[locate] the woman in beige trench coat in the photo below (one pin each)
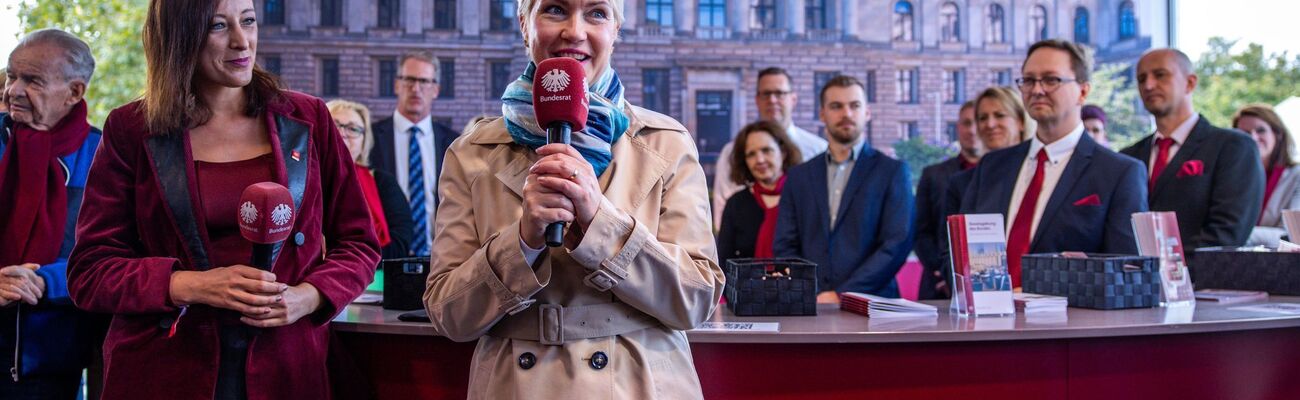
(603, 316)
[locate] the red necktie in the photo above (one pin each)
(1162, 160)
(1018, 243)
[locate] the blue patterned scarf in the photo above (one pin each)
(605, 119)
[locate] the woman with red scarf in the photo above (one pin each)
(763, 154)
(158, 242)
(1277, 150)
(389, 210)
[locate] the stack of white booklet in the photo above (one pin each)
(1036, 303)
(880, 307)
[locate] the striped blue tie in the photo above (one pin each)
(415, 186)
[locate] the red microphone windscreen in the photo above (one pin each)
(560, 93)
(266, 213)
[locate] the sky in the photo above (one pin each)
(1268, 22)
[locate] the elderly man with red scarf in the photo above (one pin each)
(46, 146)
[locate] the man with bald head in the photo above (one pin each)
(46, 146)
(1210, 177)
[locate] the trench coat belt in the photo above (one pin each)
(554, 324)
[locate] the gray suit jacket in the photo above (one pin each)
(1285, 197)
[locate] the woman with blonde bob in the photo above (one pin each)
(1001, 118)
(1277, 150)
(389, 212)
(603, 315)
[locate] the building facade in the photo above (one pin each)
(697, 60)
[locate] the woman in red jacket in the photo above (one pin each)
(159, 246)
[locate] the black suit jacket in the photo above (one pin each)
(741, 220)
(1220, 206)
(397, 212)
(382, 155)
(931, 220)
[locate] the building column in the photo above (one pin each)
(298, 15)
(632, 14)
(738, 16)
(470, 17)
(848, 18)
(794, 12)
(412, 16)
(684, 13)
(358, 14)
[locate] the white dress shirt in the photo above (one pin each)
(428, 156)
(1179, 135)
(809, 145)
(1058, 157)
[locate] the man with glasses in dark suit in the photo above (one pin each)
(410, 146)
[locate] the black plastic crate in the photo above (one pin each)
(1100, 281)
(1227, 268)
(753, 290)
(404, 282)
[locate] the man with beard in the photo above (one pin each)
(1209, 176)
(849, 209)
(775, 99)
(930, 193)
(1060, 190)
(410, 145)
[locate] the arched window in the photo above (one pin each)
(1081, 33)
(1038, 22)
(995, 31)
(950, 23)
(903, 21)
(1127, 21)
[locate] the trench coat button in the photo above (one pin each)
(299, 238)
(599, 360)
(527, 360)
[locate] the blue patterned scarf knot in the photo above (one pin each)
(606, 121)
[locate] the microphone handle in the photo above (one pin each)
(262, 256)
(558, 132)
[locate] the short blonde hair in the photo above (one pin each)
(526, 6)
(1009, 98)
(368, 141)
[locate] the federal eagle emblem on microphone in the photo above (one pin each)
(555, 80)
(281, 214)
(248, 212)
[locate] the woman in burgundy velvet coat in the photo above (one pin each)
(158, 245)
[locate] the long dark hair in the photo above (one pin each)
(174, 33)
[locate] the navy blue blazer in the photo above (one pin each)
(383, 155)
(1069, 223)
(873, 230)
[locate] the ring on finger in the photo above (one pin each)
(573, 175)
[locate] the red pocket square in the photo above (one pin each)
(1191, 168)
(1091, 200)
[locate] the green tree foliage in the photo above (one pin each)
(1113, 90)
(918, 154)
(1230, 80)
(112, 29)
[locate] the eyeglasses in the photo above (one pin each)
(350, 131)
(409, 81)
(773, 93)
(1050, 83)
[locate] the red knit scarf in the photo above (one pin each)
(767, 231)
(33, 189)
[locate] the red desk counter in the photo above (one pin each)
(1211, 352)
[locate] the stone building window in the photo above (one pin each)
(954, 86)
(1081, 32)
(713, 13)
(389, 13)
(501, 78)
(1127, 21)
(903, 21)
(387, 78)
(815, 15)
(819, 81)
(950, 23)
(996, 29)
(764, 15)
(329, 77)
(273, 12)
(444, 14)
(331, 12)
(270, 63)
(659, 12)
(1038, 22)
(503, 16)
(654, 89)
(906, 90)
(446, 78)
